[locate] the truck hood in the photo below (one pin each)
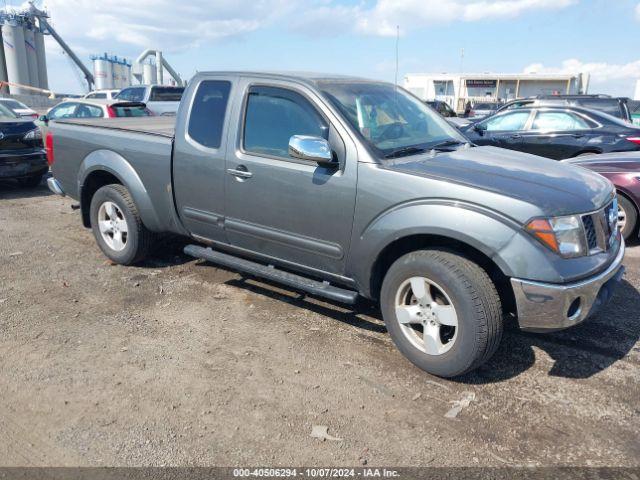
(556, 188)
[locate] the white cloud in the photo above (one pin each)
(163, 24)
(383, 17)
(638, 12)
(599, 70)
(611, 78)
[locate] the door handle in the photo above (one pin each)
(240, 172)
(516, 135)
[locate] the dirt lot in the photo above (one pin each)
(181, 363)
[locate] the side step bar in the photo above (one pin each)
(314, 287)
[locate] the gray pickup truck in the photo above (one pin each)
(343, 187)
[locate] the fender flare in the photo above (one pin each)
(119, 167)
(487, 231)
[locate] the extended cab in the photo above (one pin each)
(344, 187)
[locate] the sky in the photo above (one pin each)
(356, 37)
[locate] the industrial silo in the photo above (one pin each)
(3, 66)
(127, 75)
(103, 73)
(149, 74)
(15, 56)
(41, 56)
(32, 59)
(117, 74)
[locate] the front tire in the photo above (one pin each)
(442, 311)
(627, 217)
(117, 226)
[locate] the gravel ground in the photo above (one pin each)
(181, 363)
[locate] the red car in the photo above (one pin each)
(623, 169)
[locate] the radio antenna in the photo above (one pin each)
(397, 51)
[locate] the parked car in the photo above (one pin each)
(481, 110)
(442, 108)
(343, 188)
(22, 156)
(102, 94)
(448, 113)
(555, 132)
(95, 108)
(19, 108)
(634, 111)
(160, 99)
(623, 169)
(616, 107)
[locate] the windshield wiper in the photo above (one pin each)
(446, 143)
(406, 151)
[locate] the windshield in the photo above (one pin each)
(6, 113)
(389, 119)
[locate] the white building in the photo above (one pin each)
(456, 89)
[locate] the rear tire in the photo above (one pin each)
(627, 216)
(457, 291)
(30, 182)
(117, 226)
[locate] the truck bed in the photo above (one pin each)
(161, 125)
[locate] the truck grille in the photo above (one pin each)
(600, 228)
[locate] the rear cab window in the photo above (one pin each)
(207, 117)
(165, 94)
(133, 94)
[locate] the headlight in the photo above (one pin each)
(35, 134)
(563, 235)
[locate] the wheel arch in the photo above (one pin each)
(588, 151)
(104, 167)
(421, 241)
(628, 196)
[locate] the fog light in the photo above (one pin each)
(574, 308)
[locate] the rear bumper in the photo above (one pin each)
(23, 165)
(545, 307)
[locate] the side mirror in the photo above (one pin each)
(313, 149)
(480, 128)
(44, 119)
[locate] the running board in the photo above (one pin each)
(314, 287)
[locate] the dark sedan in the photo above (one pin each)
(22, 156)
(555, 132)
(623, 169)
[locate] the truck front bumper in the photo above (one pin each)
(55, 186)
(547, 307)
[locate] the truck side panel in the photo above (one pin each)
(141, 162)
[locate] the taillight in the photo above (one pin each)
(48, 145)
(111, 112)
(635, 140)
